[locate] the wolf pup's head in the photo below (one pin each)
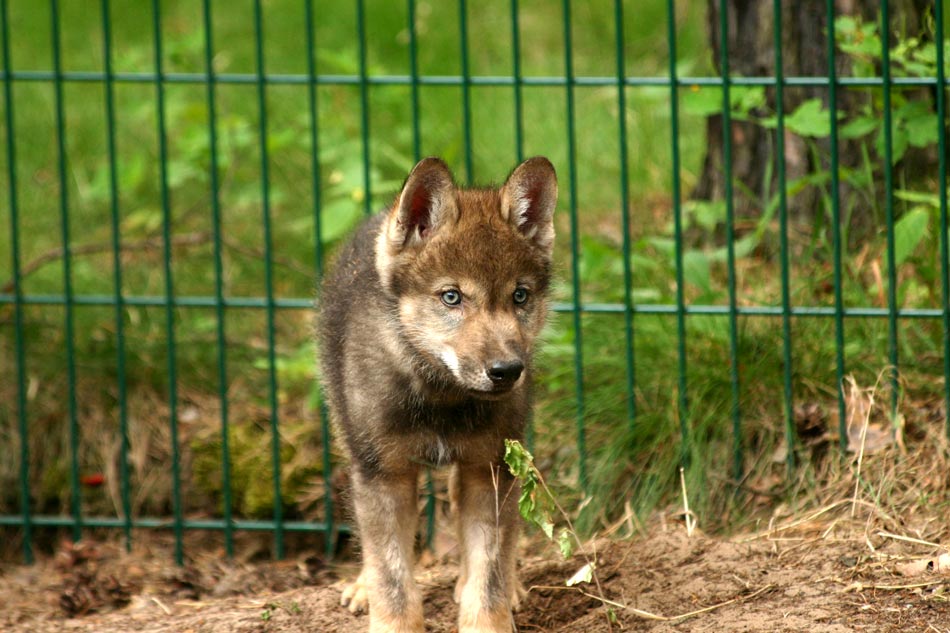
(469, 271)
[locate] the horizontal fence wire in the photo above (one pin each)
(159, 80)
(301, 303)
(171, 524)
(460, 80)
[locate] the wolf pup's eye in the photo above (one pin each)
(520, 296)
(451, 297)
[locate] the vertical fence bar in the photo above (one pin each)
(69, 325)
(783, 235)
(330, 541)
(889, 206)
(312, 113)
(942, 183)
(625, 213)
(466, 91)
(220, 335)
(316, 188)
(417, 155)
(516, 81)
(519, 128)
(414, 82)
(730, 239)
(329, 521)
(124, 485)
(364, 104)
(268, 278)
(836, 245)
(682, 408)
(169, 281)
(23, 428)
(575, 248)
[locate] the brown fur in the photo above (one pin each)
(411, 378)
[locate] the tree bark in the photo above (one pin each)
(804, 54)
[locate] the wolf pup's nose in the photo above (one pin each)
(505, 371)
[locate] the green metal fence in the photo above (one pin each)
(16, 303)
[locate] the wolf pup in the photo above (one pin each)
(427, 326)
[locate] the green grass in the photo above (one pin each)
(629, 460)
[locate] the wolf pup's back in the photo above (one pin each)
(427, 325)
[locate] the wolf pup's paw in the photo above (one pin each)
(354, 597)
(457, 594)
(518, 593)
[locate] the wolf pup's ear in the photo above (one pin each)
(528, 199)
(427, 201)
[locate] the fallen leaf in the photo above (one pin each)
(584, 574)
(940, 564)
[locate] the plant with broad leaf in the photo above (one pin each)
(536, 505)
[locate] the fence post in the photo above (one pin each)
(682, 401)
(69, 322)
(942, 181)
(221, 339)
(730, 240)
(364, 105)
(268, 278)
(26, 519)
(575, 249)
(629, 355)
(889, 208)
(118, 297)
(836, 245)
(169, 281)
(466, 92)
(316, 187)
(783, 236)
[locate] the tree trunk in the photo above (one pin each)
(804, 54)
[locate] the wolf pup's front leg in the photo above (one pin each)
(386, 513)
(484, 499)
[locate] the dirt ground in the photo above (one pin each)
(663, 581)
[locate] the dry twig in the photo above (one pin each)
(149, 243)
(653, 616)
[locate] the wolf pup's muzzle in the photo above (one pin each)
(505, 373)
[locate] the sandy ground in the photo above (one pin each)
(661, 582)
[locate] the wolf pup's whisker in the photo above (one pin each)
(427, 325)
